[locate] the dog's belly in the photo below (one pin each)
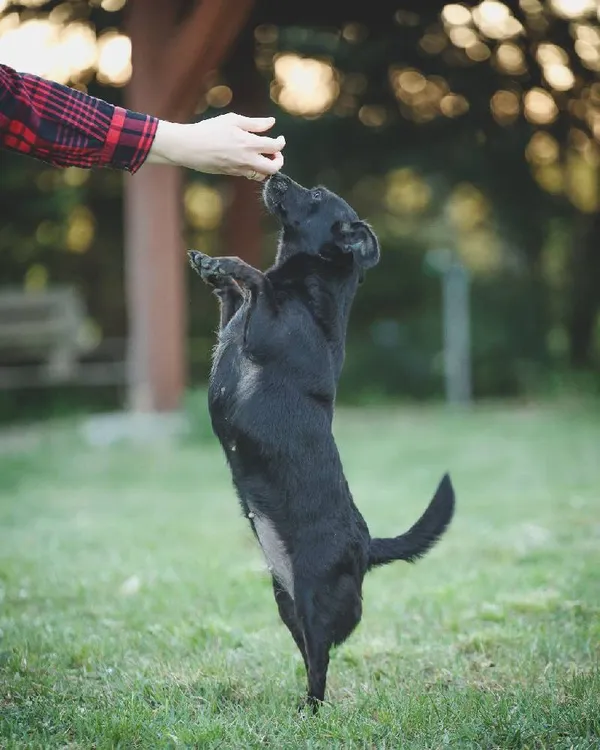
(276, 555)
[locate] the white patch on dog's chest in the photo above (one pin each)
(274, 551)
(248, 381)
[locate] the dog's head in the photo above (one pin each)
(318, 222)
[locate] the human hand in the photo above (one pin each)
(227, 144)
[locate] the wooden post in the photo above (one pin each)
(154, 251)
(456, 324)
(155, 285)
(457, 334)
(199, 47)
(170, 62)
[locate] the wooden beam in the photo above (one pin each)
(155, 266)
(154, 262)
(167, 82)
(149, 23)
(197, 48)
(321, 14)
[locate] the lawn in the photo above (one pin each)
(135, 611)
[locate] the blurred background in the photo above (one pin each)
(467, 134)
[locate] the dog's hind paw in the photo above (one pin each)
(309, 706)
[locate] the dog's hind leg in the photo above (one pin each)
(287, 612)
(230, 298)
(317, 643)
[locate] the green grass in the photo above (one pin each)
(135, 611)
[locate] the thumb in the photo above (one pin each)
(255, 124)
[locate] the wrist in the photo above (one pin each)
(164, 146)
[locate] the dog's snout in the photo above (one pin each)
(279, 183)
(275, 193)
(194, 257)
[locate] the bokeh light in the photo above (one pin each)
(456, 15)
(540, 107)
(478, 52)
(303, 85)
(454, 105)
(573, 8)
(495, 20)
(469, 213)
(587, 45)
(510, 59)
(505, 107)
(463, 37)
(406, 192)
(203, 206)
(560, 77)
(219, 96)
(372, 116)
(542, 149)
(64, 51)
(114, 58)
(81, 226)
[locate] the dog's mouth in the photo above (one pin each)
(274, 192)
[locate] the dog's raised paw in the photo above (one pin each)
(205, 266)
(195, 259)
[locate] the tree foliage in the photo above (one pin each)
(471, 126)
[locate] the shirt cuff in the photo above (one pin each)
(129, 139)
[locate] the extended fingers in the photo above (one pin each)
(266, 145)
(254, 124)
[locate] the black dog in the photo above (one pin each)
(271, 398)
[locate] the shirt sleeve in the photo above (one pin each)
(65, 127)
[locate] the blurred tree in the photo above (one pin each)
(66, 225)
(518, 80)
(476, 126)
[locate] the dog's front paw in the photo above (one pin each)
(206, 267)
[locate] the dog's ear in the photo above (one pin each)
(358, 238)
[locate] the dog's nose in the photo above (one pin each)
(279, 182)
(194, 257)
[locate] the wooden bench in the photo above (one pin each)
(43, 338)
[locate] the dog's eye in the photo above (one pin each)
(316, 195)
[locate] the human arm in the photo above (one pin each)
(65, 127)
(228, 144)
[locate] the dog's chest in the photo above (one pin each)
(234, 382)
(276, 555)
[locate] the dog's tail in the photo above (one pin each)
(418, 540)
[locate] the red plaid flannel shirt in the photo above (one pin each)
(65, 127)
